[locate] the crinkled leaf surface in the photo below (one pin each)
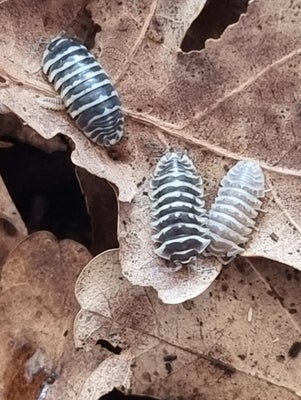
(113, 372)
(233, 342)
(237, 98)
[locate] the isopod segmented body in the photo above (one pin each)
(178, 210)
(85, 89)
(231, 217)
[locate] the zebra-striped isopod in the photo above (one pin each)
(231, 217)
(177, 210)
(85, 89)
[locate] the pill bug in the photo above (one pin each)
(177, 210)
(231, 217)
(85, 89)
(52, 103)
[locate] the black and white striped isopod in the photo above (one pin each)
(178, 210)
(231, 217)
(85, 89)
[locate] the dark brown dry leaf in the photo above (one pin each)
(238, 98)
(37, 311)
(231, 342)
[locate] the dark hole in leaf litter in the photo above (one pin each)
(46, 192)
(118, 395)
(107, 345)
(212, 21)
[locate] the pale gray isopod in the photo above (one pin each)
(231, 217)
(178, 210)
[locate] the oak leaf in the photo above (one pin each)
(234, 341)
(238, 98)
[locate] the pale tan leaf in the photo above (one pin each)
(100, 291)
(114, 372)
(212, 346)
(105, 302)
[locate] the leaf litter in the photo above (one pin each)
(208, 346)
(236, 99)
(38, 308)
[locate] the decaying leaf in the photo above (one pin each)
(112, 372)
(37, 312)
(238, 98)
(210, 347)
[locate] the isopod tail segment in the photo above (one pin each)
(177, 210)
(85, 89)
(231, 218)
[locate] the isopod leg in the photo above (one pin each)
(196, 266)
(170, 267)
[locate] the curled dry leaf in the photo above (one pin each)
(12, 227)
(113, 372)
(237, 98)
(105, 298)
(173, 288)
(9, 211)
(210, 347)
(37, 312)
